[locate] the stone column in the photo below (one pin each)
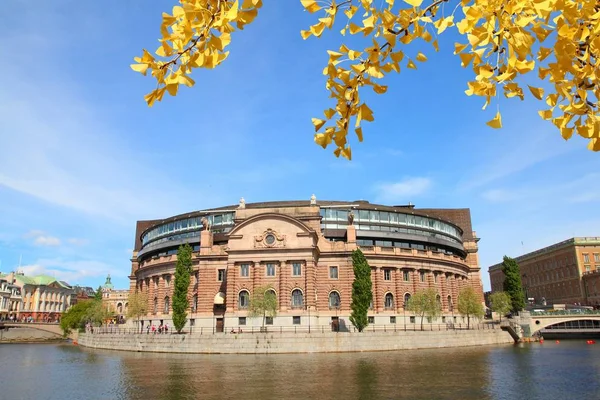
(375, 272)
(280, 283)
(206, 242)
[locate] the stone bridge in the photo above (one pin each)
(42, 326)
(542, 320)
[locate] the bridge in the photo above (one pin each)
(565, 320)
(41, 326)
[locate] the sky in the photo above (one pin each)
(82, 157)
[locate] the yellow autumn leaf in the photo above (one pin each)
(318, 123)
(359, 134)
(411, 64)
(538, 93)
(495, 123)
(310, 5)
(414, 3)
(421, 57)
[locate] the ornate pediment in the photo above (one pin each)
(269, 239)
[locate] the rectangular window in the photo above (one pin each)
(371, 320)
(412, 320)
(392, 319)
(597, 257)
(245, 270)
(221, 275)
(269, 320)
(270, 269)
(333, 272)
(197, 277)
(422, 276)
(167, 280)
(387, 274)
(443, 320)
(296, 320)
(296, 269)
(192, 322)
(242, 321)
(587, 268)
(406, 276)
(586, 258)
(435, 278)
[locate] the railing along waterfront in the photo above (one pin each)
(270, 329)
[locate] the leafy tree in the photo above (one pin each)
(98, 294)
(502, 41)
(512, 283)
(500, 303)
(263, 303)
(424, 303)
(137, 305)
(469, 304)
(362, 291)
(183, 269)
(76, 316)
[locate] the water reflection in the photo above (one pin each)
(553, 371)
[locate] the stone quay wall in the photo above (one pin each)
(287, 342)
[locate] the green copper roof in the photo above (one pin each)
(108, 284)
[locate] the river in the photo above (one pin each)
(567, 370)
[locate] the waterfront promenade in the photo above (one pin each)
(287, 341)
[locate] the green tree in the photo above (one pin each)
(263, 303)
(76, 316)
(137, 305)
(98, 294)
(512, 283)
(424, 303)
(469, 304)
(362, 291)
(183, 269)
(500, 303)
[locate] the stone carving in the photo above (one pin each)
(269, 239)
(205, 224)
(313, 200)
(350, 218)
(242, 203)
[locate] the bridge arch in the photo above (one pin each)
(583, 321)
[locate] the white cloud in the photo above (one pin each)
(403, 190)
(71, 271)
(47, 241)
(78, 241)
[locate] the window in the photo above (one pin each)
(450, 306)
(243, 299)
(269, 320)
(271, 293)
(389, 301)
(192, 322)
(195, 303)
(334, 300)
(412, 320)
(221, 275)
(597, 257)
(586, 257)
(371, 320)
(422, 276)
(406, 275)
(387, 274)
(242, 321)
(296, 320)
(393, 319)
(435, 278)
(245, 270)
(406, 300)
(155, 282)
(333, 272)
(196, 277)
(297, 298)
(270, 269)
(166, 309)
(167, 280)
(155, 305)
(587, 268)
(296, 269)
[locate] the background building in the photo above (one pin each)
(115, 299)
(43, 298)
(302, 249)
(563, 273)
(10, 298)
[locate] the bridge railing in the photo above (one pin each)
(575, 312)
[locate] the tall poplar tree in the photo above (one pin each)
(512, 283)
(183, 270)
(362, 290)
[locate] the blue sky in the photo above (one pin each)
(82, 157)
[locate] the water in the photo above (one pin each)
(569, 370)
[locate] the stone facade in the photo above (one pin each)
(563, 273)
(302, 250)
(115, 300)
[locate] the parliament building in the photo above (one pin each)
(302, 250)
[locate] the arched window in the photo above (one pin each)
(166, 310)
(119, 308)
(126, 307)
(450, 305)
(155, 305)
(195, 303)
(406, 300)
(334, 300)
(243, 299)
(272, 293)
(297, 298)
(389, 301)
(438, 299)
